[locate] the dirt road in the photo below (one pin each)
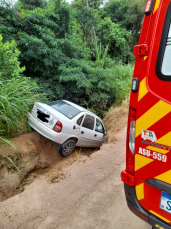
(90, 197)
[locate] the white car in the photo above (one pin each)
(67, 124)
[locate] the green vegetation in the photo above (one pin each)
(79, 52)
(17, 93)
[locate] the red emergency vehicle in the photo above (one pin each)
(147, 178)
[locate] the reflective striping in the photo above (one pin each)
(156, 6)
(141, 161)
(159, 216)
(145, 58)
(154, 114)
(157, 150)
(165, 177)
(140, 191)
(143, 89)
(158, 226)
(165, 140)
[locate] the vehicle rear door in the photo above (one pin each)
(153, 118)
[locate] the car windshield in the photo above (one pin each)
(66, 109)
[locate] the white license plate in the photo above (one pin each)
(165, 202)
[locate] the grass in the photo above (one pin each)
(16, 97)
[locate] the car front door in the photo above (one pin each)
(99, 133)
(86, 137)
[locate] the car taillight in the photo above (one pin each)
(149, 7)
(130, 148)
(58, 127)
(31, 108)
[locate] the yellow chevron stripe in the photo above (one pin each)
(158, 226)
(165, 177)
(140, 191)
(165, 140)
(141, 161)
(143, 89)
(145, 58)
(157, 150)
(156, 6)
(154, 114)
(159, 216)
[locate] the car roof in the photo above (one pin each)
(81, 108)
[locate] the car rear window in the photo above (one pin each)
(163, 66)
(66, 109)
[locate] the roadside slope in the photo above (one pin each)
(91, 197)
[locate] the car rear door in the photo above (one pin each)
(153, 118)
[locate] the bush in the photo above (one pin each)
(85, 83)
(9, 64)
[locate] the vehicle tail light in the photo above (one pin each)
(130, 147)
(57, 127)
(149, 7)
(31, 108)
(128, 176)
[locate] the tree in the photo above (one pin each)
(116, 37)
(86, 19)
(9, 64)
(128, 14)
(95, 4)
(31, 4)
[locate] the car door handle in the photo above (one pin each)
(95, 135)
(82, 132)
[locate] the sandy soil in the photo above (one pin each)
(90, 197)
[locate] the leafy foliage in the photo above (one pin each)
(95, 4)
(128, 14)
(117, 38)
(9, 64)
(31, 4)
(67, 52)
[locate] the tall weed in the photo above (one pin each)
(16, 97)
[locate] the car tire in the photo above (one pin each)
(66, 148)
(33, 129)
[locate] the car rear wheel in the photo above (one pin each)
(66, 148)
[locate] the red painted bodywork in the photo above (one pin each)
(157, 90)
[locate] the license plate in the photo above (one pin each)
(165, 203)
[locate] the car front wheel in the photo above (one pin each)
(66, 148)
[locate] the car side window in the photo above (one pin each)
(99, 126)
(79, 121)
(88, 122)
(166, 66)
(163, 66)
